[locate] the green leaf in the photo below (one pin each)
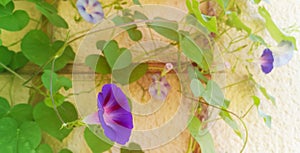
(223, 4)
(6, 57)
(4, 107)
(98, 63)
(256, 1)
(37, 48)
(203, 137)
(116, 58)
(191, 50)
(197, 88)
(4, 2)
(132, 148)
(7, 10)
(232, 123)
(58, 100)
(44, 148)
(136, 2)
(21, 113)
(14, 22)
(272, 28)
(14, 138)
(51, 14)
(57, 81)
(209, 22)
(67, 56)
(96, 144)
(121, 20)
(130, 74)
(0, 42)
(65, 151)
(18, 61)
(213, 94)
(165, 28)
(49, 121)
(267, 95)
(139, 15)
(100, 44)
(135, 35)
(234, 21)
(259, 39)
(267, 118)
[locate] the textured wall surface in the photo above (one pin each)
(283, 83)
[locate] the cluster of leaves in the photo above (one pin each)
(23, 125)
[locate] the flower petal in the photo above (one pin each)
(283, 53)
(159, 88)
(267, 61)
(92, 119)
(90, 10)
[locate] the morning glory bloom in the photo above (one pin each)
(113, 114)
(159, 88)
(276, 56)
(90, 10)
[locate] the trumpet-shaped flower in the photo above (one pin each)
(113, 114)
(276, 56)
(90, 10)
(159, 88)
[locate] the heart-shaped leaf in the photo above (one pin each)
(98, 63)
(58, 100)
(57, 81)
(7, 9)
(165, 28)
(24, 138)
(21, 113)
(44, 148)
(4, 2)
(4, 107)
(130, 74)
(18, 61)
(191, 49)
(5, 56)
(50, 123)
(96, 143)
(14, 22)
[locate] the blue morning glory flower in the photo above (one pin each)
(276, 56)
(90, 10)
(113, 114)
(159, 88)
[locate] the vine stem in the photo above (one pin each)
(51, 94)
(232, 113)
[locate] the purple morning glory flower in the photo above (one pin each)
(90, 10)
(159, 88)
(276, 56)
(113, 114)
(266, 61)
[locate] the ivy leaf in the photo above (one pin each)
(4, 107)
(6, 56)
(36, 47)
(208, 22)
(18, 61)
(136, 2)
(132, 148)
(197, 88)
(57, 81)
(191, 49)
(267, 118)
(165, 28)
(97, 143)
(139, 15)
(7, 10)
(59, 99)
(130, 74)
(15, 21)
(4, 2)
(21, 113)
(272, 28)
(267, 95)
(67, 56)
(232, 123)
(51, 14)
(98, 63)
(213, 94)
(116, 57)
(24, 138)
(234, 21)
(65, 151)
(44, 148)
(49, 121)
(203, 137)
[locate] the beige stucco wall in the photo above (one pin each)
(283, 83)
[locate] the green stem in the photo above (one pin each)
(14, 43)
(11, 71)
(236, 83)
(190, 145)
